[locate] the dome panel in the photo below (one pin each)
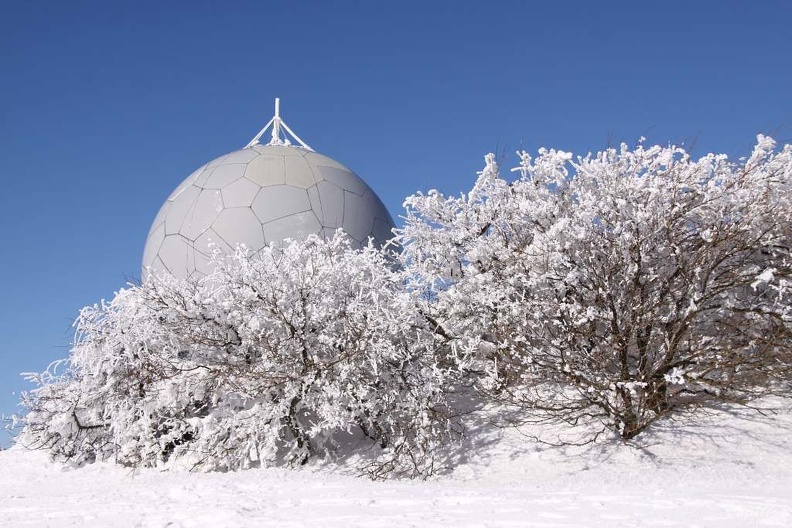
(161, 214)
(345, 179)
(224, 175)
(190, 260)
(179, 209)
(242, 225)
(383, 229)
(267, 170)
(332, 199)
(202, 214)
(278, 201)
(158, 268)
(200, 180)
(316, 159)
(296, 226)
(217, 161)
(174, 253)
(203, 264)
(358, 216)
(240, 193)
(261, 149)
(208, 240)
(244, 156)
(186, 183)
(316, 202)
(298, 172)
(288, 150)
(155, 239)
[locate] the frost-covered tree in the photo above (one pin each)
(619, 287)
(277, 357)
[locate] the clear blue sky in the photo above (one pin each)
(106, 106)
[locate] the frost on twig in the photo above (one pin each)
(277, 358)
(620, 287)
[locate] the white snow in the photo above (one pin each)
(764, 277)
(726, 470)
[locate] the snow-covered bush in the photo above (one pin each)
(619, 287)
(277, 357)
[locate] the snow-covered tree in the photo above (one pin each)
(276, 357)
(618, 287)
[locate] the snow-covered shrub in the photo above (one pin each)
(277, 357)
(619, 287)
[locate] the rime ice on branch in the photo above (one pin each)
(617, 288)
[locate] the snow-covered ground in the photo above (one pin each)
(723, 471)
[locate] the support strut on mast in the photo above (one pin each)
(277, 123)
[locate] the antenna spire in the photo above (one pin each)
(276, 122)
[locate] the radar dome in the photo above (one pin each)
(258, 195)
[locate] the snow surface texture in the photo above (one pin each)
(722, 471)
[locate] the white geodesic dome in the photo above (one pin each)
(257, 195)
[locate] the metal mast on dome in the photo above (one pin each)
(276, 122)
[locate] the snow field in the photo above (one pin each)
(723, 471)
